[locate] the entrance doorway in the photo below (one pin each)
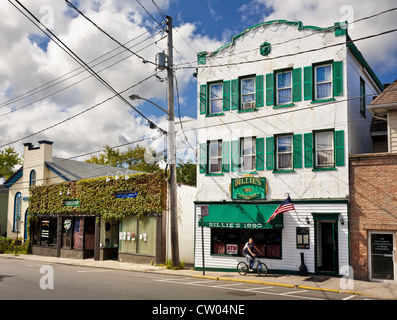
(382, 250)
(326, 244)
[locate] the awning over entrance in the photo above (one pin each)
(242, 216)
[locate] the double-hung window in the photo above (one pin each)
(324, 149)
(284, 153)
(248, 154)
(323, 82)
(247, 93)
(284, 87)
(216, 98)
(215, 156)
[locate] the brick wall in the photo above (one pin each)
(373, 203)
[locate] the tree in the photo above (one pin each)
(132, 158)
(9, 158)
(186, 172)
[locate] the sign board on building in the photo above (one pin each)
(126, 195)
(72, 203)
(248, 188)
(231, 248)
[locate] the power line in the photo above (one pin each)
(63, 46)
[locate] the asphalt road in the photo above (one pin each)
(22, 280)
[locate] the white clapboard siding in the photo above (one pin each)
(291, 259)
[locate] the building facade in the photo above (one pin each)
(277, 117)
(373, 204)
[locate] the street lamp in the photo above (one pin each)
(136, 97)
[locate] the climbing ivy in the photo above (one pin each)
(97, 196)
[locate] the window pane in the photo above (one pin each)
(284, 96)
(285, 161)
(284, 80)
(248, 163)
(216, 91)
(325, 158)
(247, 86)
(78, 231)
(324, 140)
(216, 98)
(249, 98)
(248, 146)
(324, 90)
(323, 73)
(215, 158)
(216, 106)
(284, 144)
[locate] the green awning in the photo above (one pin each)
(242, 216)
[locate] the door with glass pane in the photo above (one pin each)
(382, 250)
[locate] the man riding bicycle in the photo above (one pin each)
(247, 252)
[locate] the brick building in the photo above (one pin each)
(373, 200)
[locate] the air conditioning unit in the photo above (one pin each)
(248, 105)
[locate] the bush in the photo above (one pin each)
(8, 245)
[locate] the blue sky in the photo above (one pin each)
(28, 60)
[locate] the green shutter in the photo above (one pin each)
(203, 99)
(338, 78)
(234, 90)
(269, 89)
(339, 148)
(259, 91)
(226, 156)
(308, 149)
(226, 95)
(203, 158)
(297, 84)
(307, 83)
(269, 153)
(260, 154)
(235, 155)
(297, 151)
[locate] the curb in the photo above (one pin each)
(276, 284)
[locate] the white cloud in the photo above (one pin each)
(25, 66)
(380, 52)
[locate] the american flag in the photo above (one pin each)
(285, 206)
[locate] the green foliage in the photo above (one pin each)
(9, 158)
(98, 197)
(8, 245)
(186, 172)
(133, 158)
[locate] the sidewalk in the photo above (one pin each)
(380, 290)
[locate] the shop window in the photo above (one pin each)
(78, 233)
(45, 232)
(232, 241)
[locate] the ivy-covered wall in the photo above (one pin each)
(96, 196)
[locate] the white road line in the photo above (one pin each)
(349, 297)
(263, 287)
(202, 281)
(228, 285)
(288, 293)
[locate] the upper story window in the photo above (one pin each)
(32, 178)
(323, 82)
(247, 93)
(324, 149)
(284, 153)
(248, 154)
(362, 97)
(216, 98)
(215, 156)
(284, 87)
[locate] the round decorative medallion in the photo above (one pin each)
(264, 49)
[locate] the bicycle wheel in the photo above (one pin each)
(261, 269)
(242, 268)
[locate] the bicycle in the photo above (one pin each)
(261, 268)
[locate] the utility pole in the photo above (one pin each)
(172, 150)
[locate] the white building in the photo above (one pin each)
(280, 106)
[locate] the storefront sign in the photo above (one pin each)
(72, 203)
(238, 225)
(126, 195)
(45, 228)
(231, 248)
(67, 224)
(248, 188)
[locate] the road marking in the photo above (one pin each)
(287, 293)
(200, 282)
(228, 285)
(349, 297)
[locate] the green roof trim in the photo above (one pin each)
(357, 54)
(339, 28)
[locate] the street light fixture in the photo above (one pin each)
(136, 97)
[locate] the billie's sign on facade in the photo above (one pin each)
(248, 188)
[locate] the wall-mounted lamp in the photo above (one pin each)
(307, 220)
(342, 221)
(107, 178)
(126, 174)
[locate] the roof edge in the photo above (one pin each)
(340, 29)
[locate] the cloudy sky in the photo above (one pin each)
(41, 86)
